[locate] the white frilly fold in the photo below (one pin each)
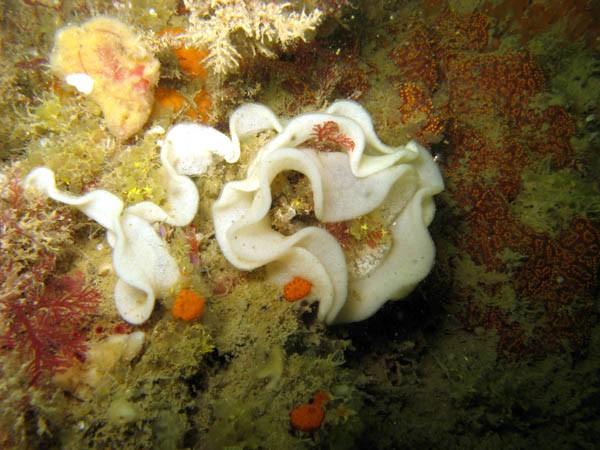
(373, 175)
(345, 186)
(141, 259)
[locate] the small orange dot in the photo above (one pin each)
(296, 289)
(174, 31)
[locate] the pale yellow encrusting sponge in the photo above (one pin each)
(105, 59)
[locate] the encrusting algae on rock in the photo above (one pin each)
(103, 58)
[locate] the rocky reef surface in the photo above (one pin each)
(498, 347)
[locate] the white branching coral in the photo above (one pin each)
(233, 29)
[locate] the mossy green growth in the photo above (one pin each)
(464, 6)
(579, 82)
(151, 14)
(184, 343)
(13, 133)
(33, 228)
(33, 416)
(467, 398)
(252, 412)
(575, 82)
(188, 261)
(550, 199)
(137, 173)
(551, 48)
(70, 140)
(492, 289)
(23, 78)
(149, 400)
(586, 146)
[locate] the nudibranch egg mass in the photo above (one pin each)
(371, 204)
(141, 258)
(361, 178)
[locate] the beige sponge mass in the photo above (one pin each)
(105, 59)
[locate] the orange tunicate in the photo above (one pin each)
(190, 60)
(296, 289)
(188, 305)
(203, 105)
(168, 98)
(309, 416)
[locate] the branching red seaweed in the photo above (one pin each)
(327, 137)
(49, 325)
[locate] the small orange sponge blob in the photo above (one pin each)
(296, 289)
(309, 416)
(188, 305)
(203, 105)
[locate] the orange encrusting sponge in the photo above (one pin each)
(190, 61)
(296, 289)
(169, 99)
(309, 416)
(189, 58)
(188, 305)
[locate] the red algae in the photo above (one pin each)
(49, 325)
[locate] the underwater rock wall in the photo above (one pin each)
(499, 347)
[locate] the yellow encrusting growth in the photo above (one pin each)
(136, 173)
(70, 140)
(105, 59)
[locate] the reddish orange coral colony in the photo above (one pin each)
(417, 108)
(188, 305)
(416, 58)
(309, 416)
(296, 289)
